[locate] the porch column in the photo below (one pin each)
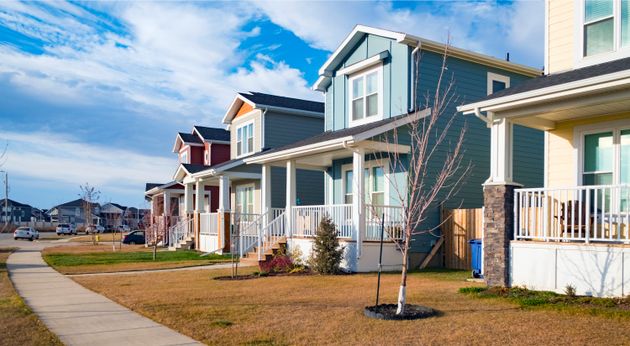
(291, 195)
(501, 152)
(200, 194)
(358, 196)
(167, 204)
(265, 185)
(224, 214)
(188, 198)
(498, 194)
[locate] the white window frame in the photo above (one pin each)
(243, 143)
(183, 155)
(369, 165)
(618, 52)
(207, 155)
(492, 77)
(379, 115)
(615, 127)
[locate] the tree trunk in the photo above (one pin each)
(402, 292)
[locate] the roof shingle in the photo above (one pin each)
(284, 102)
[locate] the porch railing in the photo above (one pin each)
(180, 232)
(209, 223)
(245, 231)
(583, 214)
(306, 219)
(271, 233)
(394, 222)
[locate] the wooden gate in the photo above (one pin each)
(460, 226)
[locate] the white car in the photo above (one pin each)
(26, 233)
(94, 229)
(66, 228)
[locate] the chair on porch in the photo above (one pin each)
(574, 217)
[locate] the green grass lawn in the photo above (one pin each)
(95, 258)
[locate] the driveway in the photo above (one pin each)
(77, 315)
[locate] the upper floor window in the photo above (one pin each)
(183, 157)
(207, 156)
(605, 26)
(365, 94)
(497, 82)
(245, 139)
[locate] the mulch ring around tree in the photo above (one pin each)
(388, 312)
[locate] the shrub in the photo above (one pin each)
(569, 291)
(327, 254)
(280, 263)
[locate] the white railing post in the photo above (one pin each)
(290, 196)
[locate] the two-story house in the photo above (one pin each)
(196, 151)
(12, 211)
(74, 212)
(370, 83)
(573, 229)
(257, 122)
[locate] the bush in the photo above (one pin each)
(280, 263)
(327, 254)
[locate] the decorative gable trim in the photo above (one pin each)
(362, 65)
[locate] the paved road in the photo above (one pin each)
(77, 315)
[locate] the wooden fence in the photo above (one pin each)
(460, 226)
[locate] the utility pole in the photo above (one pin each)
(6, 200)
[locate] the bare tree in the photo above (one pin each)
(89, 196)
(433, 165)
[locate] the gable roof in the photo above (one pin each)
(186, 138)
(348, 44)
(75, 203)
(13, 203)
(212, 133)
(612, 74)
(280, 103)
(150, 186)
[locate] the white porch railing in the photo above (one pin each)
(583, 213)
(306, 219)
(271, 233)
(180, 232)
(245, 232)
(394, 222)
(209, 223)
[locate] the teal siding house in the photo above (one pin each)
(369, 85)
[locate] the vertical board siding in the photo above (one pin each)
(460, 226)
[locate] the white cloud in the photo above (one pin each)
(53, 158)
(486, 27)
(167, 57)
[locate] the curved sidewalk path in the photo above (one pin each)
(79, 316)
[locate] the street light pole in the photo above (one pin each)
(6, 199)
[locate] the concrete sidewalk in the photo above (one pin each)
(79, 316)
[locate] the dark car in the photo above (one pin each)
(135, 237)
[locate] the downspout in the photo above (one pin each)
(262, 129)
(487, 119)
(414, 52)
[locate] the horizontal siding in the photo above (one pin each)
(309, 187)
(281, 129)
(561, 35)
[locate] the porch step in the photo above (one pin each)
(189, 244)
(252, 257)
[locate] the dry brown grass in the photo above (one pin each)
(329, 310)
(102, 237)
(89, 248)
(18, 325)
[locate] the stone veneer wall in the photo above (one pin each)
(499, 223)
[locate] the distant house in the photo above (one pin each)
(74, 212)
(15, 211)
(114, 215)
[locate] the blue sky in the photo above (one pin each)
(95, 91)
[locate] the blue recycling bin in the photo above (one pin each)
(475, 251)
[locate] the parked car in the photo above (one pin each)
(94, 229)
(124, 228)
(135, 237)
(26, 233)
(66, 228)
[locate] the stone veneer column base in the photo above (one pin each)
(498, 231)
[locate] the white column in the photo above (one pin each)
(224, 193)
(200, 195)
(358, 196)
(265, 186)
(501, 152)
(291, 195)
(167, 203)
(188, 198)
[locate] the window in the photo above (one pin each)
(598, 159)
(245, 139)
(365, 96)
(245, 199)
(374, 185)
(605, 26)
(183, 157)
(497, 82)
(207, 154)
